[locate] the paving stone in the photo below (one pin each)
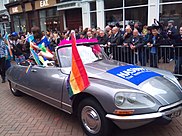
(27, 116)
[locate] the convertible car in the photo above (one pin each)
(123, 94)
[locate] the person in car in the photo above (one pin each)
(41, 44)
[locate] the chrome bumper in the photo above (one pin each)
(126, 122)
(143, 116)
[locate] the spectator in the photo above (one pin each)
(170, 28)
(54, 41)
(137, 26)
(127, 36)
(144, 30)
(3, 54)
(146, 40)
(126, 57)
(8, 58)
(98, 31)
(85, 31)
(116, 38)
(107, 30)
(178, 52)
(167, 39)
(80, 29)
(25, 46)
(77, 34)
(94, 33)
(102, 38)
(154, 43)
(82, 36)
(16, 48)
(89, 35)
(136, 45)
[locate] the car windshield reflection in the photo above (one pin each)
(87, 54)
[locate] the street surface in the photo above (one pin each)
(27, 116)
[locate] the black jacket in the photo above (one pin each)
(102, 40)
(116, 39)
(178, 45)
(127, 38)
(138, 41)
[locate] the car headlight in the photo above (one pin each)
(133, 100)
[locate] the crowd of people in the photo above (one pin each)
(133, 38)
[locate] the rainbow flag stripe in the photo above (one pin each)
(78, 79)
(35, 56)
(28, 68)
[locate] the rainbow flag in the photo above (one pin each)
(35, 56)
(28, 68)
(78, 79)
(30, 38)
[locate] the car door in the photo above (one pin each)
(45, 83)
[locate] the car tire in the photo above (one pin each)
(92, 118)
(14, 91)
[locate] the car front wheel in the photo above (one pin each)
(92, 118)
(14, 91)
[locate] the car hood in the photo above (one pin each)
(159, 87)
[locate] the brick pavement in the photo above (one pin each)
(27, 116)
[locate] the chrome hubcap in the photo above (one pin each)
(91, 119)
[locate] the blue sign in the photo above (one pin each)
(132, 73)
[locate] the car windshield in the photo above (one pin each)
(88, 54)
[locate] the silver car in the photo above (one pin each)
(126, 95)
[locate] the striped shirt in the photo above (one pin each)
(3, 50)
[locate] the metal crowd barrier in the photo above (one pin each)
(164, 57)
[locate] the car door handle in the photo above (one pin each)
(33, 70)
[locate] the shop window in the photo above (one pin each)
(73, 18)
(171, 12)
(93, 18)
(139, 14)
(108, 4)
(92, 6)
(51, 12)
(113, 17)
(135, 2)
(49, 19)
(19, 23)
(42, 13)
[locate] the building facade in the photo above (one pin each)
(25, 14)
(62, 14)
(4, 17)
(99, 13)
